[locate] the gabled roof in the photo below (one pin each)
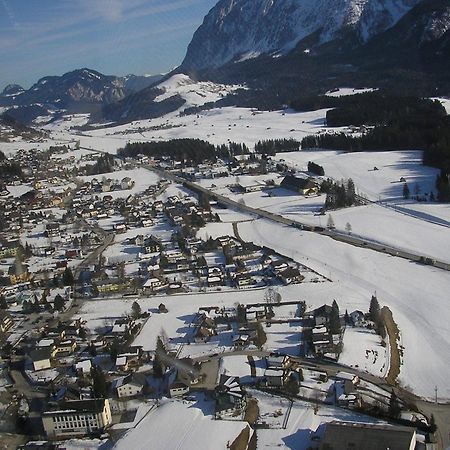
(345, 435)
(292, 182)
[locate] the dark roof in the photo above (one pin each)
(292, 182)
(349, 435)
(323, 310)
(290, 272)
(40, 354)
(95, 405)
(4, 315)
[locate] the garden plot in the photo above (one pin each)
(362, 349)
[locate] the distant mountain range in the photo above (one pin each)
(82, 90)
(280, 50)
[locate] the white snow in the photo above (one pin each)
(362, 349)
(416, 294)
(341, 92)
(176, 425)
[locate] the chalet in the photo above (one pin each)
(107, 185)
(178, 389)
(120, 227)
(52, 230)
(6, 321)
(251, 186)
(291, 275)
(152, 245)
(243, 281)
(244, 338)
(41, 359)
(358, 318)
(230, 397)
(279, 362)
(214, 281)
(321, 340)
(64, 347)
(345, 376)
(84, 367)
(155, 284)
(126, 183)
(346, 394)
(278, 266)
(77, 418)
(131, 385)
(322, 315)
(346, 435)
(188, 371)
(304, 186)
(276, 377)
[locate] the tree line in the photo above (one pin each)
(397, 123)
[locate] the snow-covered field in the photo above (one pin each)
(381, 184)
(416, 294)
(341, 92)
(362, 348)
(217, 126)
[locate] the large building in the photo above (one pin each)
(77, 418)
(350, 435)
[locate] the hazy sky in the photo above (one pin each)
(51, 37)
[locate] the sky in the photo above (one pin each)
(115, 37)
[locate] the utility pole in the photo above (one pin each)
(436, 394)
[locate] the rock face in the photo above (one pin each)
(242, 29)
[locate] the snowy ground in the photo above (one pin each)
(362, 348)
(301, 422)
(186, 425)
(143, 178)
(382, 184)
(419, 307)
(217, 126)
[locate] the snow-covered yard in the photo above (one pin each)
(362, 349)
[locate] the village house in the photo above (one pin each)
(230, 397)
(346, 435)
(77, 418)
(178, 390)
(126, 183)
(41, 358)
(291, 275)
(131, 385)
(321, 340)
(303, 186)
(6, 321)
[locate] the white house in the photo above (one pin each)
(130, 386)
(77, 418)
(41, 358)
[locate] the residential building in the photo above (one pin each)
(130, 386)
(41, 358)
(350, 435)
(77, 418)
(178, 389)
(6, 321)
(304, 186)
